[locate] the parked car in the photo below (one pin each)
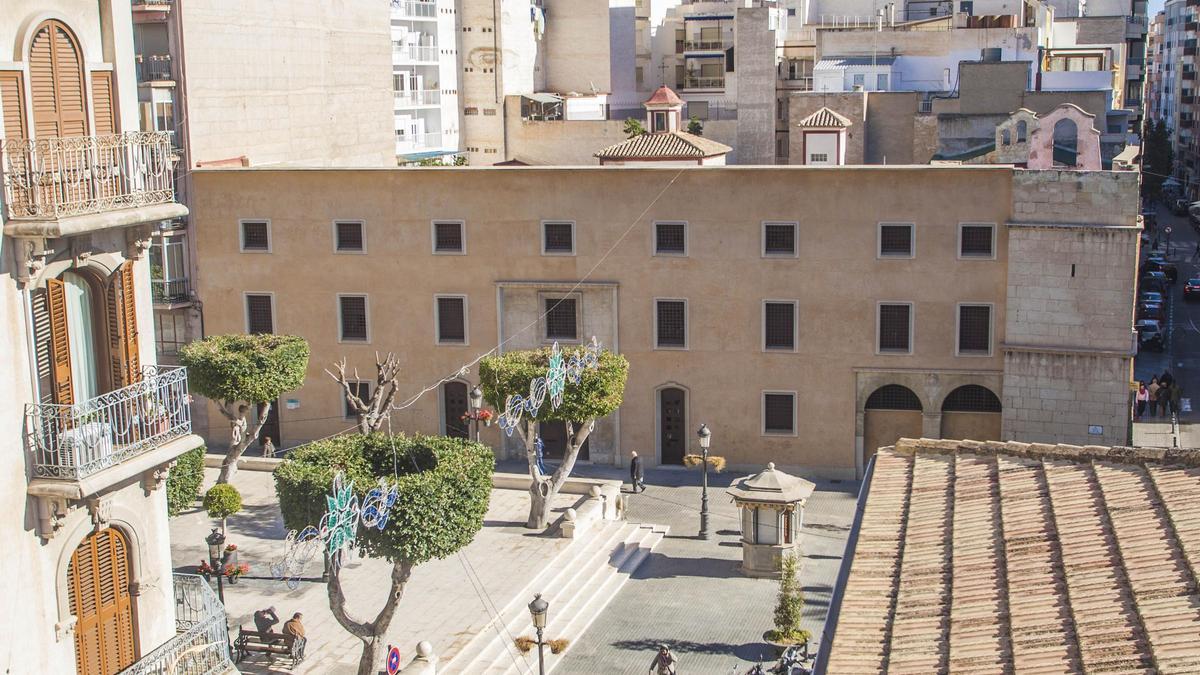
(1150, 335)
(1150, 310)
(1191, 290)
(1180, 207)
(1153, 282)
(1157, 263)
(1151, 297)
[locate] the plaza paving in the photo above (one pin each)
(688, 593)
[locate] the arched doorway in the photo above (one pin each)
(672, 425)
(892, 412)
(454, 406)
(98, 593)
(1066, 143)
(971, 412)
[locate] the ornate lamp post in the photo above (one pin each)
(476, 397)
(537, 610)
(705, 437)
(216, 555)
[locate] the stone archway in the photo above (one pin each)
(971, 412)
(891, 412)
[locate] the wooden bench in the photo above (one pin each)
(252, 641)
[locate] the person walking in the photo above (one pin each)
(538, 446)
(1164, 400)
(1196, 254)
(636, 476)
(1166, 379)
(1142, 396)
(1153, 388)
(1176, 398)
(664, 662)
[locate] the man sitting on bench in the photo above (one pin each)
(296, 629)
(265, 620)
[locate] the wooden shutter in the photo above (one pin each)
(12, 97)
(121, 311)
(60, 343)
(103, 106)
(56, 82)
(98, 592)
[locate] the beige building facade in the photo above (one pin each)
(806, 315)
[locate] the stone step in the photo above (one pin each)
(560, 589)
(565, 563)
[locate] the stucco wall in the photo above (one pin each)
(852, 105)
(890, 128)
(756, 86)
(565, 143)
(318, 93)
(577, 46)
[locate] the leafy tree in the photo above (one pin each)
(221, 501)
(443, 486)
(789, 608)
(694, 126)
(634, 127)
(598, 393)
(460, 160)
(1158, 158)
(243, 371)
(183, 481)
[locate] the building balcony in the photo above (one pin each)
(201, 642)
(170, 291)
(153, 68)
(414, 9)
(1135, 27)
(414, 53)
(418, 142)
(85, 448)
(706, 45)
(690, 82)
(418, 99)
(798, 83)
(59, 187)
(150, 11)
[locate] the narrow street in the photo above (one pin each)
(1182, 353)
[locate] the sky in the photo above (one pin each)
(1154, 7)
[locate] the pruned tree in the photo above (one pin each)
(695, 126)
(443, 487)
(372, 412)
(243, 374)
(598, 393)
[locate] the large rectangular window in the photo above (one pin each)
(260, 313)
(561, 319)
(255, 236)
(449, 237)
(895, 328)
(779, 325)
(975, 330)
(348, 236)
(558, 238)
(895, 240)
(779, 239)
(976, 241)
(451, 319)
(779, 413)
(352, 311)
(670, 238)
(670, 324)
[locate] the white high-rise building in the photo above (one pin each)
(425, 77)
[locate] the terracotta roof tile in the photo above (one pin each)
(664, 145)
(824, 119)
(664, 96)
(990, 557)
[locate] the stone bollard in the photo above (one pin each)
(569, 524)
(425, 662)
(597, 493)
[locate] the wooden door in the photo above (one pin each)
(554, 441)
(672, 436)
(57, 83)
(270, 428)
(98, 593)
(454, 406)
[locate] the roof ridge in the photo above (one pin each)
(1139, 455)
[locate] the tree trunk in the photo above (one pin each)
(372, 633)
(543, 489)
(240, 437)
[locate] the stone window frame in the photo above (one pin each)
(246, 310)
(241, 236)
(795, 225)
(437, 321)
(762, 405)
(686, 320)
(795, 325)
(574, 238)
(362, 229)
(341, 321)
(654, 250)
(542, 315)
(991, 329)
(355, 385)
(959, 247)
(433, 236)
(912, 240)
(912, 322)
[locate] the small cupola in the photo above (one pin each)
(664, 111)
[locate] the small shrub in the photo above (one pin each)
(183, 481)
(559, 646)
(221, 501)
(789, 607)
(525, 643)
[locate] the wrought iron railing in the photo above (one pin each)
(416, 8)
(77, 175)
(201, 645)
(153, 67)
(417, 141)
(75, 441)
(419, 97)
(169, 290)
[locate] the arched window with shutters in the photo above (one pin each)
(56, 82)
(98, 579)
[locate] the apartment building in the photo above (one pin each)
(92, 423)
(1172, 91)
(425, 78)
(806, 315)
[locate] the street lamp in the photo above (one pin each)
(537, 610)
(705, 437)
(216, 552)
(476, 396)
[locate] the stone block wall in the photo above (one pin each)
(1075, 197)
(1066, 398)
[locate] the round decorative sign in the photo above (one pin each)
(393, 660)
(1168, 229)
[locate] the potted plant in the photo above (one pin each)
(233, 571)
(231, 554)
(789, 609)
(154, 415)
(205, 570)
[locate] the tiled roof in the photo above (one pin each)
(664, 145)
(994, 557)
(664, 95)
(824, 119)
(848, 61)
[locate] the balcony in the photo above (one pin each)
(1135, 27)
(690, 82)
(80, 442)
(798, 83)
(154, 68)
(417, 142)
(414, 9)
(201, 643)
(59, 187)
(417, 99)
(706, 45)
(170, 291)
(415, 53)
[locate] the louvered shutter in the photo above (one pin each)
(98, 592)
(56, 81)
(124, 359)
(12, 97)
(60, 343)
(103, 106)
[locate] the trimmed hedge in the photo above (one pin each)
(183, 481)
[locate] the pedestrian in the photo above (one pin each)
(296, 629)
(1164, 400)
(1153, 389)
(1196, 254)
(635, 473)
(537, 447)
(268, 448)
(1166, 378)
(1143, 395)
(1176, 398)
(265, 619)
(664, 662)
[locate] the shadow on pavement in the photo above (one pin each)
(750, 651)
(659, 566)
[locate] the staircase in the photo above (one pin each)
(578, 583)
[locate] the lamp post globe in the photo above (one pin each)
(476, 400)
(537, 611)
(705, 438)
(216, 553)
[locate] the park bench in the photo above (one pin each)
(252, 641)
